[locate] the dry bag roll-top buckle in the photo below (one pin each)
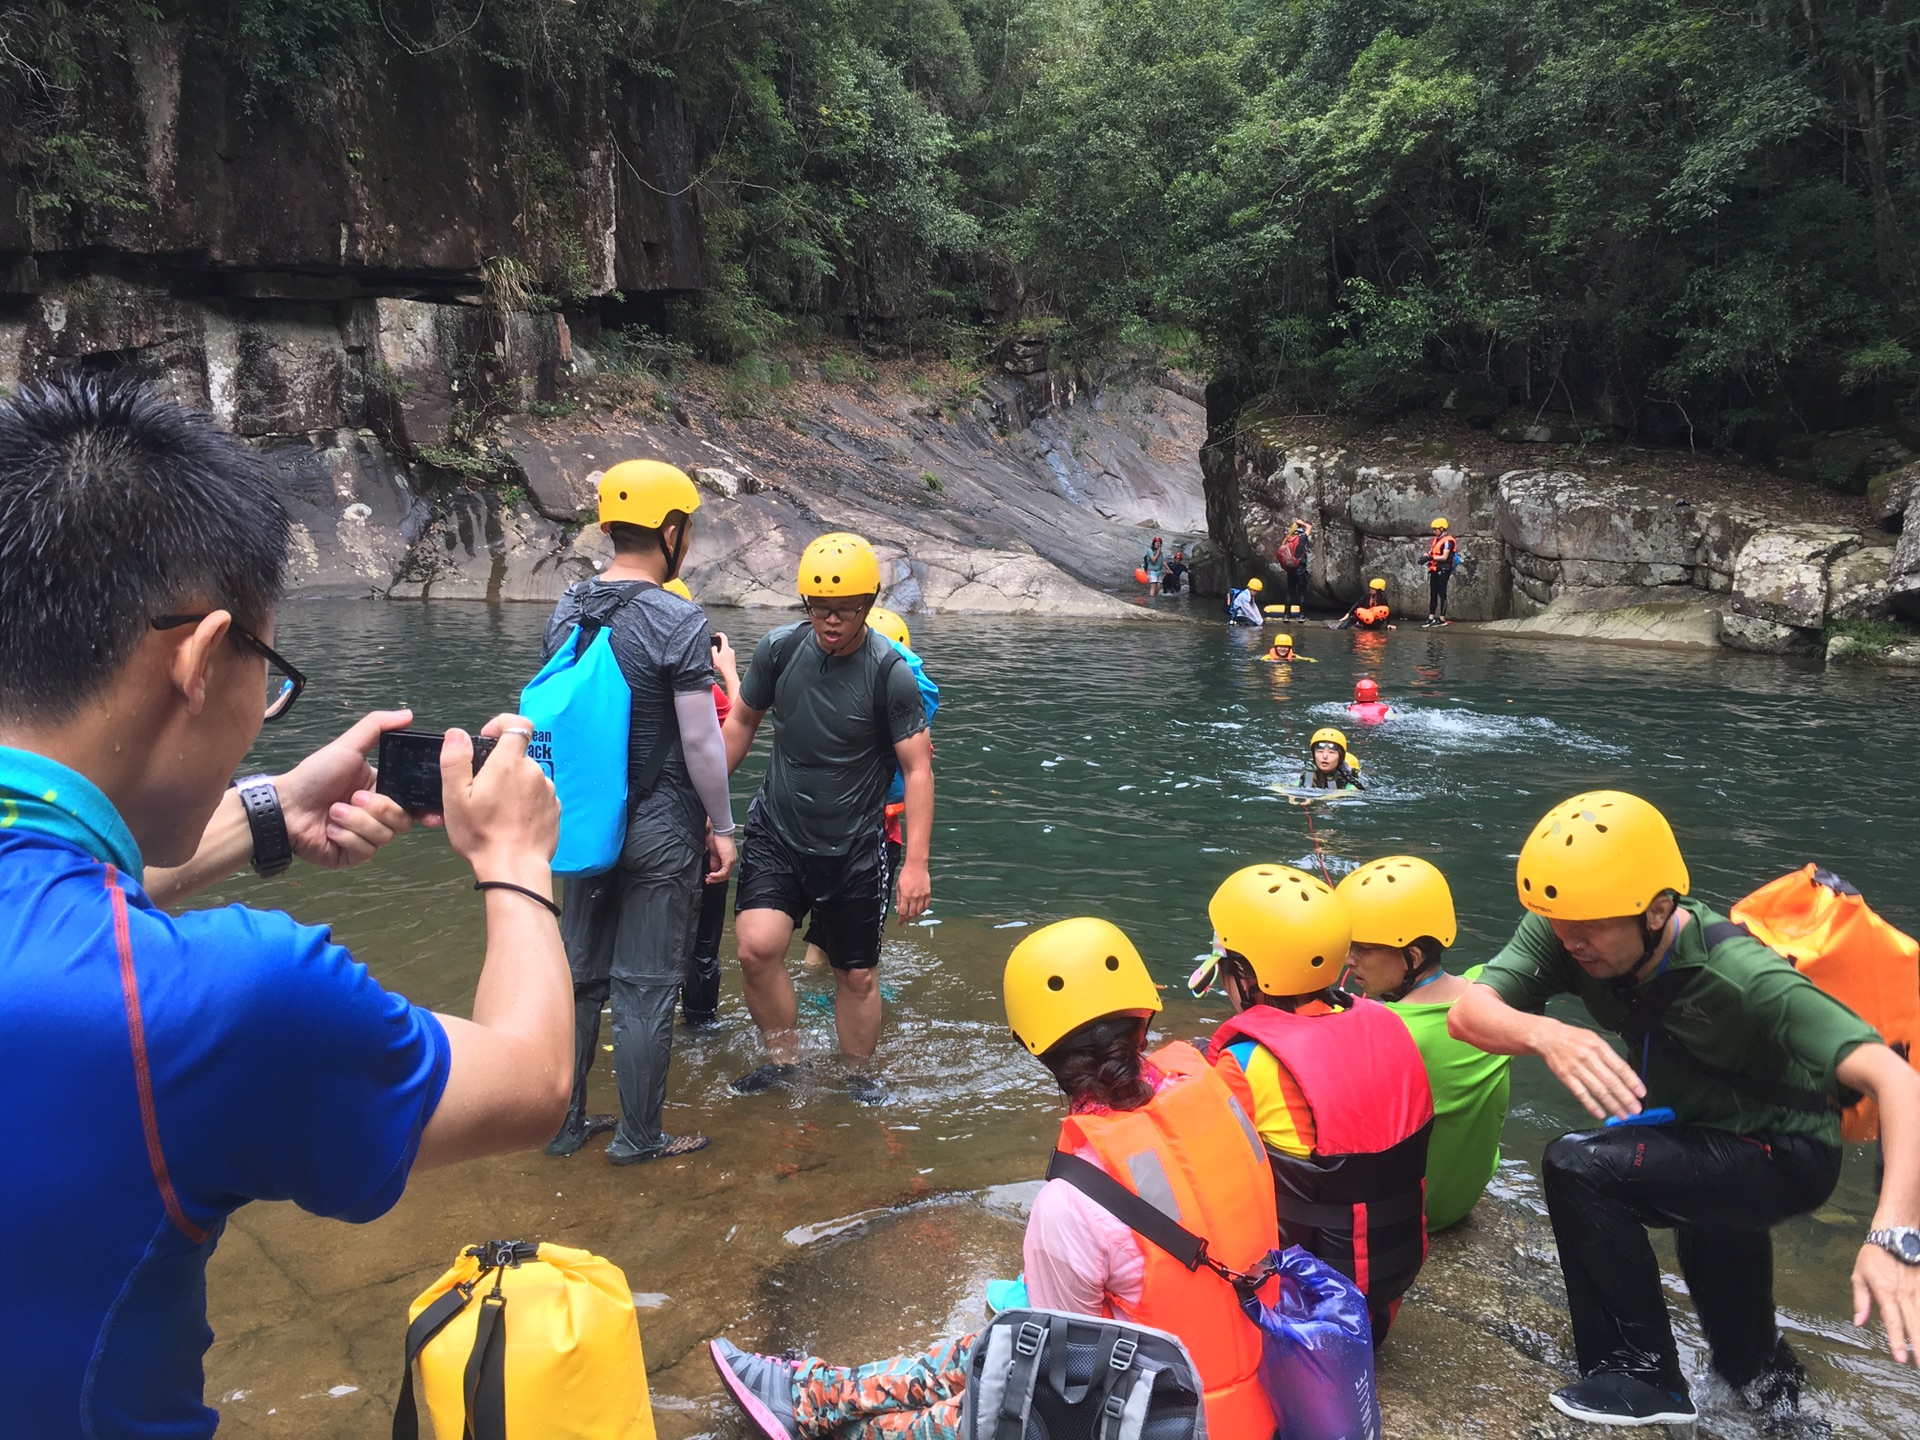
(502, 1254)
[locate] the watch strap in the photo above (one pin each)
(272, 848)
(1889, 1240)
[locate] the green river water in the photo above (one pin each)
(1092, 767)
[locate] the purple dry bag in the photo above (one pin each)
(1317, 1365)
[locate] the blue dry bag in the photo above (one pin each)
(1317, 1365)
(582, 713)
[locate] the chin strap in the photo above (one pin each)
(1415, 977)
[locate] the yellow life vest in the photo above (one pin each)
(552, 1339)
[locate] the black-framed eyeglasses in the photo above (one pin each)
(284, 683)
(818, 611)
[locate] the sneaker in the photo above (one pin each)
(761, 1385)
(768, 1077)
(578, 1130)
(1607, 1397)
(866, 1089)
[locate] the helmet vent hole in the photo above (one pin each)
(1527, 885)
(1054, 982)
(1392, 879)
(623, 494)
(1318, 961)
(1601, 828)
(836, 579)
(1273, 889)
(1113, 962)
(1569, 840)
(1553, 892)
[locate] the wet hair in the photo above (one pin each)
(1102, 1062)
(117, 507)
(628, 537)
(1431, 951)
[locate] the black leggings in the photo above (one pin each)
(1437, 591)
(1297, 586)
(700, 991)
(1720, 1193)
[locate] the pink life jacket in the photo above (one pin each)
(1370, 712)
(1359, 1201)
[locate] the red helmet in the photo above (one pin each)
(1365, 692)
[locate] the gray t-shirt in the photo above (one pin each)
(662, 645)
(826, 785)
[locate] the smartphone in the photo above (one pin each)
(409, 767)
(716, 641)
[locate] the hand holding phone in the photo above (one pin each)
(409, 768)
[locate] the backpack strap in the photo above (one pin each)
(664, 734)
(1645, 1024)
(882, 726)
(1138, 1215)
(1028, 1345)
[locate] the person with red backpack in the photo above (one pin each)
(1293, 555)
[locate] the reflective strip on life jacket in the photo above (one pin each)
(1358, 1202)
(1192, 1152)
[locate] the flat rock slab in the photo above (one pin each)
(1666, 615)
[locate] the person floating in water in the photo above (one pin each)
(1443, 558)
(1177, 569)
(1367, 706)
(1330, 767)
(1243, 603)
(1283, 653)
(1154, 562)
(1403, 922)
(1368, 614)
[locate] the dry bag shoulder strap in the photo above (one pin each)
(430, 1322)
(1646, 1021)
(1129, 1209)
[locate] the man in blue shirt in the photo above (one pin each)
(158, 1072)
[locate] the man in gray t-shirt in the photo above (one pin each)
(628, 931)
(846, 711)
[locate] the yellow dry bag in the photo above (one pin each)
(525, 1342)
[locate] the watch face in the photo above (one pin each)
(1906, 1245)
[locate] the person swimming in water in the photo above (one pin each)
(1367, 706)
(1283, 653)
(1330, 767)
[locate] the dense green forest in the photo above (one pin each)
(1675, 216)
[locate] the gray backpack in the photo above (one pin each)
(1050, 1375)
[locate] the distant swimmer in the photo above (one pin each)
(1283, 653)
(1331, 768)
(1368, 614)
(1443, 558)
(1177, 569)
(1367, 706)
(1243, 603)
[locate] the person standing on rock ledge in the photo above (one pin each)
(846, 711)
(1725, 1123)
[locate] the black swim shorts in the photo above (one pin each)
(845, 894)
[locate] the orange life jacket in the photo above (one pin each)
(1440, 553)
(1823, 925)
(1193, 1153)
(1371, 614)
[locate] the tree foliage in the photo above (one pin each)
(1645, 213)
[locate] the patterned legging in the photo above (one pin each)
(910, 1397)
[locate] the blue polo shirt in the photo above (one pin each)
(279, 1071)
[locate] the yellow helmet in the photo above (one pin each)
(1599, 856)
(1397, 900)
(1284, 642)
(678, 587)
(1291, 928)
(1439, 523)
(1070, 974)
(890, 625)
(1329, 735)
(645, 492)
(839, 564)
(1376, 583)
(1256, 584)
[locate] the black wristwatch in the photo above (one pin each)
(1900, 1241)
(272, 850)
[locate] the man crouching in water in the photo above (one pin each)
(1725, 1124)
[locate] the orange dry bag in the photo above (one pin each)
(1140, 575)
(1823, 925)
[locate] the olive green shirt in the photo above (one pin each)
(1748, 1010)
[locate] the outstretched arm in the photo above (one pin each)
(1878, 1278)
(334, 817)
(742, 725)
(915, 755)
(1579, 1059)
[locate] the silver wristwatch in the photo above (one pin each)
(1900, 1241)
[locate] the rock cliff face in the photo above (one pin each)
(1552, 550)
